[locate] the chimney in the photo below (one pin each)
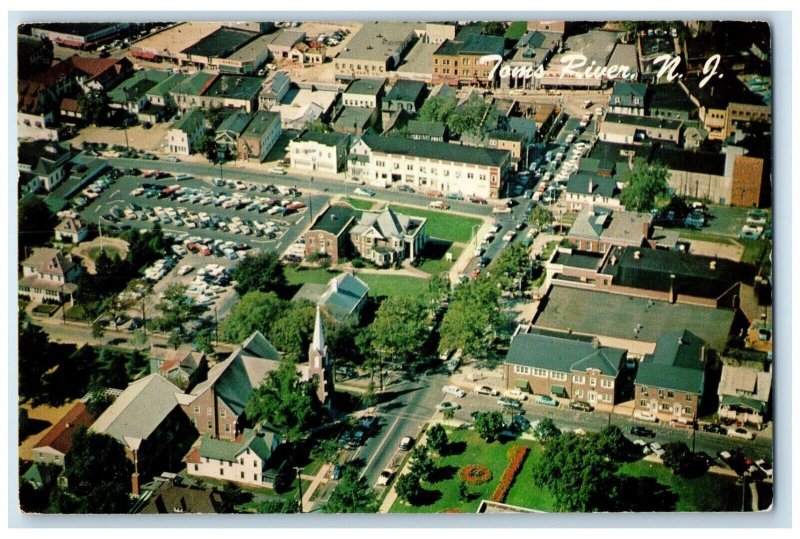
(680, 340)
(712, 265)
(591, 186)
(637, 255)
(135, 483)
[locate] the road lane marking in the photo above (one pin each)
(380, 447)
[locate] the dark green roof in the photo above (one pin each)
(190, 121)
(258, 441)
(235, 123)
(600, 185)
(220, 43)
(738, 400)
(193, 84)
(326, 139)
(647, 122)
(677, 363)
(141, 83)
(670, 96)
(235, 87)
(365, 86)
(262, 121)
(437, 150)
(472, 44)
(563, 354)
(335, 219)
(167, 85)
(350, 117)
(406, 90)
(431, 129)
(626, 91)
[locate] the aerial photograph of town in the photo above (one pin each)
(358, 266)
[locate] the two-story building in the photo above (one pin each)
(325, 152)
(43, 165)
(598, 229)
(228, 133)
(745, 393)
(364, 93)
(387, 238)
(630, 129)
(274, 90)
(405, 95)
(71, 230)
(53, 447)
(566, 367)
(260, 136)
(459, 62)
(587, 190)
(328, 236)
(628, 98)
(186, 131)
(49, 275)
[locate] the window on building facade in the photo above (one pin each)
(209, 411)
(666, 407)
(541, 373)
(558, 375)
(196, 409)
(578, 379)
(688, 397)
(196, 467)
(210, 424)
(223, 413)
(670, 394)
(644, 403)
(519, 369)
(607, 383)
(593, 382)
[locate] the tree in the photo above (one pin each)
(679, 458)
(204, 341)
(541, 217)
(326, 451)
(292, 332)
(278, 506)
(97, 475)
(178, 310)
(263, 273)
(646, 182)
(437, 438)
(287, 403)
(437, 109)
(284, 477)
(207, 146)
(317, 126)
(578, 475)
(351, 495)
(139, 338)
(463, 491)
(98, 330)
(254, 311)
(472, 319)
(112, 368)
(546, 430)
(469, 117)
(614, 443)
(35, 222)
(93, 106)
(35, 358)
(408, 488)
(98, 400)
(512, 268)
(422, 464)
(493, 28)
(489, 425)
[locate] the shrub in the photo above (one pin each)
(475, 474)
(517, 455)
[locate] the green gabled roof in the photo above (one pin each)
(563, 354)
(738, 400)
(194, 84)
(431, 129)
(142, 82)
(257, 345)
(677, 363)
(262, 121)
(365, 86)
(258, 441)
(405, 90)
(349, 292)
(235, 123)
(166, 86)
(436, 150)
(189, 122)
(327, 139)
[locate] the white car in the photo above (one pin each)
(454, 390)
(517, 393)
(363, 191)
(742, 433)
(656, 448)
(645, 416)
(485, 390)
(764, 467)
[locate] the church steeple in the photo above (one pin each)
(318, 341)
(318, 364)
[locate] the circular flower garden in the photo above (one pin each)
(475, 474)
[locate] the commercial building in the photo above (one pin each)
(631, 129)
(328, 236)
(375, 50)
(325, 152)
(209, 91)
(79, 35)
(597, 229)
(186, 131)
(259, 137)
(726, 104)
(534, 49)
(458, 62)
(42, 164)
(448, 168)
(364, 93)
(274, 89)
(388, 238)
(628, 98)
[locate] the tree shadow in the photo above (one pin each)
(443, 473)
(645, 494)
(31, 427)
(454, 448)
(435, 249)
(427, 497)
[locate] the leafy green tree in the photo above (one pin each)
(408, 488)
(263, 273)
(463, 491)
(292, 332)
(422, 464)
(472, 319)
(317, 126)
(139, 338)
(178, 310)
(35, 358)
(437, 438)
(98, 401)
(680, 459)
(94, 106)
(254, 311)
(287, 403)
(207, 146)
(326, 451)
(284, 477)
(512, 268)
(645, 184)
(351, 495)
(113, 371)
(546, 430)
(489, 425)
(204, 341)
(541, 217)
(280, 506)
(614, 443)
(437, 109)
(35, 222)
(97, 475)
(468, 118)
(493, 28)
(578, 474)
(98, 330)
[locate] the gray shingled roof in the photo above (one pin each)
(600, 185)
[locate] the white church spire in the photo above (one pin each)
(318, 342)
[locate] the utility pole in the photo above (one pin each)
(300, 487)
(216, 327)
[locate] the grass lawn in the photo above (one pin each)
(754, 250)
(45, 308)
(78, 313)
(443, 224)
(516, 30)
(358, 203)
(469, 449)
(434, 261)
(525, 493)
(111, 252)
(688, 234)
(394, 285)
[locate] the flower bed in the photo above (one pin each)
(517, 456)
(475, 474)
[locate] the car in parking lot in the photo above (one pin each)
(764, 466)
(656, 448)
(741, 432)
(447, 405)
(485, 390)
(546, 400)
(336, 472)
(581, 405)
(519, 423)
(642, 431)
(406, 443)
(645, 416)
(517, 394)
(454, 390)
(716, 428)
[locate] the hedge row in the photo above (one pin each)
(517, 455)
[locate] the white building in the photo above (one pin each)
(71, 230)
(185, 132)
(325, 152)
(429, 166)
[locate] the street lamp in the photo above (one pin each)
(297, 470)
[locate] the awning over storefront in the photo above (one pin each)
(559, 391)
(743, 402)
(523, 384)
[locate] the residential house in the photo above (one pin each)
(209, 91)
(598, 229)
(744, 394)
(186, 132)
(245, 459)
(566, 367)
(587, 190)
(376, 49)
(328, 236)
(131, 95)
(630, 129)
(671, 102)
(429, 166)
(183, 366)
(100, 74)
(670, 382)
(274, 90)
(43, 164)
(37, 106)
(387, 238)
(161, 95)
(459, 62)
(53, 447)
(228, 133)
(325, 152)
(405, 95)
(146, 419)
(308, 54)
(356, 121)
(260, 137)
(49, 275)
(364, 93)
(628, 98)
(421, 130)
(343, 297)
(71, 230)
(171, 498)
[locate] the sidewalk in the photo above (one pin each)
(320, 479)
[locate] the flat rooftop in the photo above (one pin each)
(171, 41)
(250, 50)
(220, 43)
(75, 28)
(614, 315)
(335, 219)
(235, 87)
(377, 41)
(577, 259)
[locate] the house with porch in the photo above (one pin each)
(386, 237)
(744, 394)
(49, 275)
(183, 366)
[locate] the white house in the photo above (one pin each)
(183, 134)
(325, 152)
(71, 230)
(48, 274)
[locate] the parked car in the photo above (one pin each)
(716, 428)
(485, 390)
(447, 405)
(336, 472)
(405, 189)
(454, 390)
(645, 416)
(656, 448)
(741, 432)
(406, 443)
(764, 466)
(519, 423)
(517, 394)
(583, 406)
(385, 477)
(507, 402)
(643, 431)
(546, 400)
